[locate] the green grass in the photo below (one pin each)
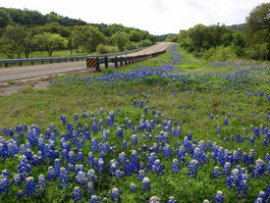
(68, 95)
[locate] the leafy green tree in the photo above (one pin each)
(120, 39)
(22, 37)
(135, 35)
(257, 29)
(88, 37)
(50, 42)
(7, 47)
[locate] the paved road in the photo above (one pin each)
(27, 72)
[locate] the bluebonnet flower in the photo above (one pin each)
(41, 184)
(216, 172)
(122, 158)
(111, 114)
(113, 167)
(90, 188)
(146, 184)
(81, 178)
(206, 201)
(24, 166)
(133, 187)
(134, 160)
(94, 199)
(77, 194)
(20, 194)
(172, 200)
(91, 175)
(119, 174)
(4, 184)
(119, 132)
(167, 151)
(227, 168)
(141, 104)
(154, 199)
(30, 187)
(128, 167)
(94, 145)
(17, 179)
(181, 153)
(175, 166)
(259, 169)
(157, 168)
(63, 178)
(90, 159)
(141, 174)
(219, 198)
(151, 158)
(52, 176)
(134, 139)
(115, 195)
(100, 166)
(218, 129)
(57, 166)
(260, 198)
(192, 168)
(199, 155)
(72, 158)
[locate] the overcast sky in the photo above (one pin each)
(155, 16)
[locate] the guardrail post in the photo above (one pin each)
(97, 64)
(121, 61)
(6, 65)
(126, 61)
(32, 63)
(106, 61)
(20, 63)
(116, 62)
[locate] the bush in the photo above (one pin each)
(107, 71)
(220, 54)
(131, 46)
(145, 43)
(103, 49)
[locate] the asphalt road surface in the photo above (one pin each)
(35, 71)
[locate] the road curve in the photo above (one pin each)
(28, 72)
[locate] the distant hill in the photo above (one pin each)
(11, 16)
(238, 27)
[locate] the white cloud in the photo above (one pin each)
(155, 16)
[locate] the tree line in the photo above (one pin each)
(220, 43)
(23, 32)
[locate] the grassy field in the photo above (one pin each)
(199, 132)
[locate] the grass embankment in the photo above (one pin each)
(199, 100)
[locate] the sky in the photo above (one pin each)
(155, 16)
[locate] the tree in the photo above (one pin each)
(121, 40)
(50, 42)
(257, 29)
(22, 37)
(7, 47)
(88, 37)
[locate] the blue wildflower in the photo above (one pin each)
(77, 194)
(141, 174)
(192, 168)
(30, 187)
(115, 195)
(90, 188)
(154, 199)
(259, 169)
(172, 200)
(219, 198)
(146, 184)
(41, 184)
(175, 166)
(133, 187)
(157, 168)
(216, 172)
(94, 199)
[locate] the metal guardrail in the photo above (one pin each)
(120, 61)
(6, 62)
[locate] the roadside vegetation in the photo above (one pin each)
(25, 33)
(152, 130)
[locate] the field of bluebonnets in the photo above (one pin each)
(153, 132)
